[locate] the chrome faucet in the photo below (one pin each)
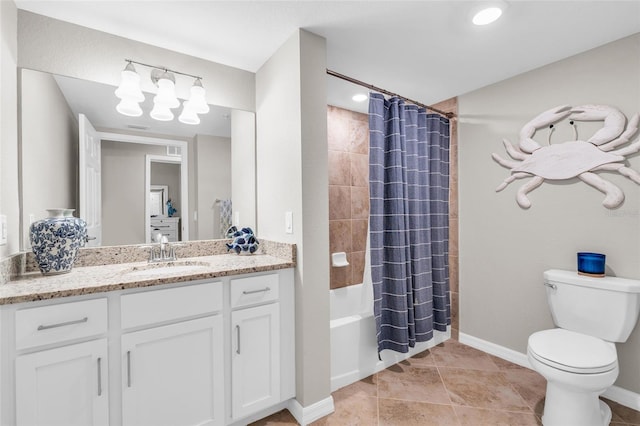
(164, 253)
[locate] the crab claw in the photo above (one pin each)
(527, 144)
(614, 121)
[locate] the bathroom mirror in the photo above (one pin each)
(49, 111)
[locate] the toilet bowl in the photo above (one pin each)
(578, 368)
(579, 359)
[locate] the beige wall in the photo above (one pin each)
(292, 176)
(505, 249)
(243, 167)
(168, 174)
(213, 157)
(49, 148)
(123, 174)
(9, 202)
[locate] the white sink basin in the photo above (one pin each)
(168, 268)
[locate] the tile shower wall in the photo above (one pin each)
(348, 139)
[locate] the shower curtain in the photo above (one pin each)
(409, 222)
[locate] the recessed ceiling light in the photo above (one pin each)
(487, 15)
(360, 97)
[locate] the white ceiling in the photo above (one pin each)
(425, 50)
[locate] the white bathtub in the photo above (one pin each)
(354, 353)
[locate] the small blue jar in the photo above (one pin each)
(591, 263)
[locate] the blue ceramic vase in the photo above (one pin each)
(244, 242)
(55, 241)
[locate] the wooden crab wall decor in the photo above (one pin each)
(576, 158)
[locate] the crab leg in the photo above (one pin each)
(624, 170)
(521, 196)
(509, 164)
(630, 149)
(632, 128)
(513, 151)
(614, 196)
(507, 181)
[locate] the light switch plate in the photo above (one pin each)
(288, 222)
(3, 229)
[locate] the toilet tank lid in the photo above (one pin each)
(610, 283)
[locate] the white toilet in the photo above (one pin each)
(579, 359)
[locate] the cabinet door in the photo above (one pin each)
(174, 375)
(65, 386)
(255, 365)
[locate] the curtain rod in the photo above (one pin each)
(386, 92)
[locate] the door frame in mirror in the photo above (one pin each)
(183, 160)
(149, 158)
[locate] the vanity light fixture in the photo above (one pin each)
(165, 99)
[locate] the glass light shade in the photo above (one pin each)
(487, 16)
(166, 95)
(129, 107)
(130, 85)
(161, 113)
(188, 115)
(197, 101)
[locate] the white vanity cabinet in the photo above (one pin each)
(262, 331)
(63, 386)
(211, 352)
(256, 348)
(173, 374)
(59, 382)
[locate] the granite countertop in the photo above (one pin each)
(34, 286)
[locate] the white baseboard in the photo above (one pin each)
(311, 413)
(614, 393)
(623, 397)
(497, 350)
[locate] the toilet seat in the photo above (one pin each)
(573, 352)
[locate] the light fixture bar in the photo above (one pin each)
(163, 69)
(165, 99)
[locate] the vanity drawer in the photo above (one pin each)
(155, 306)
(44, 325)
(165, 223)
(254, 290)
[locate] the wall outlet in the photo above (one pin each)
(288, 222)
(3, 229)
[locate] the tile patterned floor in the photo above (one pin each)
(451, 384)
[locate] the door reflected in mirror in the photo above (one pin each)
(122, 201)
(158, 200)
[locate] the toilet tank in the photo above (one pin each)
(606, 307)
